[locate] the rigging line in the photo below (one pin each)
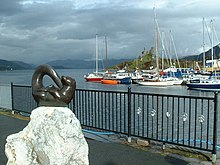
(174, 47)
(164, 42)
(207, 30)
(216, 36)
(160, 36)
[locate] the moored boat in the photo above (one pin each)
(94, 77)
(208, 85)
(121, 76)
(155, 83)
(136, 76)
(108, 81)
(173, 80)
(126, 80)
(211, 84)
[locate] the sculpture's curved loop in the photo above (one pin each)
(51, 95)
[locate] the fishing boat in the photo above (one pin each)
(95, 76)
(116, 78)
(120, 76)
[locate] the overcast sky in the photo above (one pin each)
(38, 31)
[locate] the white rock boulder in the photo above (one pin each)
(52, 137)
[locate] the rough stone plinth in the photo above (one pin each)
(52, 137)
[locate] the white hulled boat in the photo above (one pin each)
(211, 84)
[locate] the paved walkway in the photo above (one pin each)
(100, 152)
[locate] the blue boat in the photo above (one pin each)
(126, 80)
(208, 85)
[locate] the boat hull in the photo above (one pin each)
(177, 82)
(94, 77)
(97, 79)
(204, 86)
(111, 82)
(126, 80)
(154, 83)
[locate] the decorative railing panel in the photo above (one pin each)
(181, 120)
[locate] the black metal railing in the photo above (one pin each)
(22, 99)
(187, 121)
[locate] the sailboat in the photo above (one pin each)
(155, 79)
(95, 76)
(169, 73)
(211, 84)
(113, 78)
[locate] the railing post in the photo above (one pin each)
(129, 114)
(12, 98)
(215, 127)
(74, 106)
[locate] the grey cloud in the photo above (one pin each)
(61, 29)
(10, 7)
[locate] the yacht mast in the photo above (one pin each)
(96, 54)
(106, 51)
(212, 35)
(203, 28)
(156, 43)
(163, 51)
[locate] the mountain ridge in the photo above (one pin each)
(145, 60)
(14, 65)
(208, 54)
(84, 64)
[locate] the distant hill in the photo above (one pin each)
(83, 64)
(208, 55)
(147, 60)
(14, 65)
(144, 61)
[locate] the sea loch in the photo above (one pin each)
(23, 77)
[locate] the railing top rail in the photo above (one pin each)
(98, 90)
(25, 86)
(138, 93)
(178, 96)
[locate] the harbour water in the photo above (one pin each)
(23, 77)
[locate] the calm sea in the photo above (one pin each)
(23, 77)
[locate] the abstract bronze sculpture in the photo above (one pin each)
(52, 95)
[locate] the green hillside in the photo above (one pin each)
(148, 59)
